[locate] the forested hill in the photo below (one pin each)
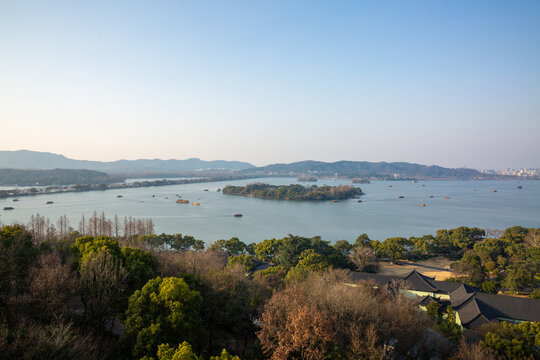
(368, 169)
(24, 159)
(52, 177)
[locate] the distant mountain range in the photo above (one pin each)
(365, 169)
(25, 159)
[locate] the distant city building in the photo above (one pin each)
(513, 172)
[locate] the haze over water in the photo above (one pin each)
(381, 214)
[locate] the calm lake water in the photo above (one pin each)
(381, 214)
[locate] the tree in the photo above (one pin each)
(245, 261)
(103, 286)
(323, 318)
(233, 246)
(183, 352)
(513, 341)
(266, 250)
(85, 246)
(343, 246)
(395, 248)
(141, 266)
(163, 311)
(364, 259)
(362, 240)
(17, 253)
(52, 286)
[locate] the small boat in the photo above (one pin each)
(166, 197)
(422, 205)
(423, 184)
(519, 187)
(14, 200)
(49, 202)
(494, 190)
(182, 201)
(153, 195)
(414, 181)
(430, 196)
(8, 208)
(356, 197)
(218, 190)
(358, 200)
(447, 197)
(334, 201)
(389, 185)
(119, 196)
(195, 204)
(400, 197)
(238, 215)
(205, 189)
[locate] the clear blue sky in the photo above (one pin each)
(454, 83)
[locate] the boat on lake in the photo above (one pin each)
(14, 200)
(422, 205)
(430, 196)
(205, 189)
(49, 202)
(358, 200)
(182, 201)
(400, 197)
(447, 197)
(494, 190)
(119, 196)
(238, 215)
(195, 204)
(8, 208)
(520, 187)
(335, 201)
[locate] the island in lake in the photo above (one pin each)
(294, 192)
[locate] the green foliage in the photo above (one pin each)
(395, 248)
(450, 242)
(183, 352)
(266, 250)
(343, 246)
(233, 246)
(245, 261)
(518, 277)
(513, 341)
(85, 246)
(294, 192)
(490, 287)
(312, 261)
(224, 356)
(141, 266)
(445, 322)
(362, 240)
(17, 253)
(163, 311)
(175, 241)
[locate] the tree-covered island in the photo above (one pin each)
(294, 192)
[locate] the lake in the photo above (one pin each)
(381, 214)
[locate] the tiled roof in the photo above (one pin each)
(474, 307)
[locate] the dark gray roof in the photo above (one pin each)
(474, 307)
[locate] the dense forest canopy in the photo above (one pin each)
(294, 192)
(112, 289)
(53, 177)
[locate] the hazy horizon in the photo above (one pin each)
(452, 84)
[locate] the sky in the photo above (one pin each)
(452, 83)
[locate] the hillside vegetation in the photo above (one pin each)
(294, 192)
(53, 177)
